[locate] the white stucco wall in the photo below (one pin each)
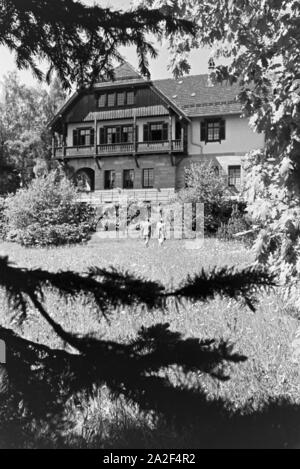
(240, 138)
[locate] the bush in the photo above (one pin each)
(206, 185)
(237, 223)
(48, 213)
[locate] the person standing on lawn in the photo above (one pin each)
(146, 231)
(161, 232)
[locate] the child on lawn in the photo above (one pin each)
(146, 232)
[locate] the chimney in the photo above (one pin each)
(211, 71)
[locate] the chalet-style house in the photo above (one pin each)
(137, 135)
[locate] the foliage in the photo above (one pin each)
(26, 141)
(47, 213)
(9, 179)
(237, 223)
(80, 41)
(207, 186)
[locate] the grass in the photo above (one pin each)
(265, 337)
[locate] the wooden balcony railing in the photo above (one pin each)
(115, 148)
(147, 147)
(119, 149)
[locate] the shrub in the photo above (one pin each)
(48, 213)
(237, 223)
(9, 180)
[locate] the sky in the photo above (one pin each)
(158, 67)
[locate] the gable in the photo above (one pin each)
(125, 71)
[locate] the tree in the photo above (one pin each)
(80, 42)
(260, 41)
(25, 112)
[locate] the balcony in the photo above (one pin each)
(120, 149)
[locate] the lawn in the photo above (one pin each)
(259, 401)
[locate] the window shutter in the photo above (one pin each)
(75, 138)
(165, 131)
(146, 133)
(92, 136)
(222, 129)
(102, 135)
(203, 132)
(137, 133)
(118, 135)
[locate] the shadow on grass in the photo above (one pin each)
(37, 381)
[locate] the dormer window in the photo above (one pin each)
(121, 99)
(111, 98)
(213, 130)
(102, 100)
(130, 98)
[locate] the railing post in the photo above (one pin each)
(64, 140)
(134, 135)
(95, 136)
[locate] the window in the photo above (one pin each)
(156, 132)
(130, 98)
(213, 130)
(102, 100)
(113, 135)
(118, 134)
(121, 99)
(128, 178)
(234, 176)
(127, 134)
(216, 170)
(111, 98)
(83, 137)
(148, 178)
(109, 179)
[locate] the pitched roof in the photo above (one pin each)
(195, 97)
(189, 96)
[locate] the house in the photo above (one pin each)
(135, 136)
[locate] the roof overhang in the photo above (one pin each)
(117, 114)
(62, 110)
(119, 84)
